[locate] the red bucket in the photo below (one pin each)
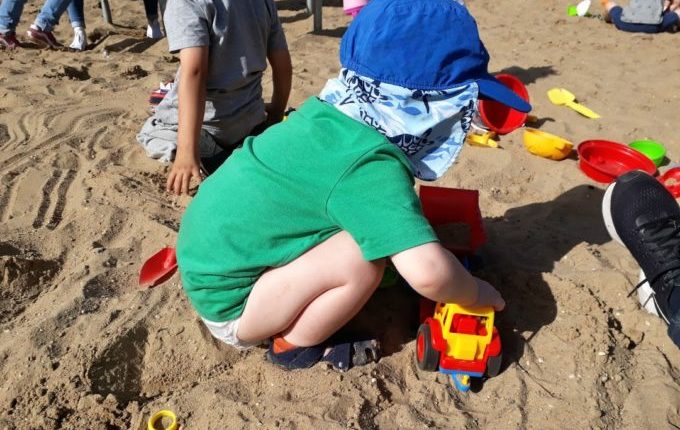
(499, 118)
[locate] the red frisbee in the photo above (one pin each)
(604, 161)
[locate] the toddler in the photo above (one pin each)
(289, 238)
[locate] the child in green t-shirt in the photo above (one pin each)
(290, 237)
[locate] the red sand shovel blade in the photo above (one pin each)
(158, 268)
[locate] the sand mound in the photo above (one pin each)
(81, 207)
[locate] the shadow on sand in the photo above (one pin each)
(523, 244)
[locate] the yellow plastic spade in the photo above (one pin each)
(485, 139)
(560, 96)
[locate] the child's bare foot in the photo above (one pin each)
(607, 5)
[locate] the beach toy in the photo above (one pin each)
(158, 268)
(654, 150)
(546, 145)
(582, 7)
(604, 161)
(352, 7)
(485, 139)
(449, 206)
(671, 180)
(560, 96)
(151, 425)
(459, 341)
(498, 117)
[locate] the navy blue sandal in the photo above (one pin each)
(342, 355)
(297, 358)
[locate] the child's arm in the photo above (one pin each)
(437, 274)
(191, 94)
(282, 77)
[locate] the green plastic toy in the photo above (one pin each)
(654, 150)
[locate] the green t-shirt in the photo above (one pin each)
(287, 190)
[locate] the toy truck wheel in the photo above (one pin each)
(493, 365)
(427, 357)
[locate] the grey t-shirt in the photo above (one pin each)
(239, 34)
(643, 12)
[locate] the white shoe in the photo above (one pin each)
(153, 30)
(79, 39)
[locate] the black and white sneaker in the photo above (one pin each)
(643, 216)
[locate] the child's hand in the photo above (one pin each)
(274, 115)
(183, 169)
(488, 296)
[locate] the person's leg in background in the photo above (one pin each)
(10, 14)
(213, 155)
(642, 215)
(41, 29)
(76, 15)
(153, 29)
(670, 20)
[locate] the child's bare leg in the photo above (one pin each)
(313, 296)
(607, 5)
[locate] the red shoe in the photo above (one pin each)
(45, 38)
(9, 41)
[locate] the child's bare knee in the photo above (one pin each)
(368, 273)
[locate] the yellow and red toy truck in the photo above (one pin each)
(460, 342)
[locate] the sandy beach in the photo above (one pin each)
(81, 207)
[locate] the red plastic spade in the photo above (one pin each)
(158, 268)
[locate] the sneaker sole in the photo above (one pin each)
(645, 291)
(607, 214)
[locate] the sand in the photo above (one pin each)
(81, 207)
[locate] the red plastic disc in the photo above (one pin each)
(604, 161)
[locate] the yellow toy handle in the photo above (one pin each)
(163, 414)
(583, 110)
(482, 140)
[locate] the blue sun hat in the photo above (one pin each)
(435, 44)
(413, 70)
